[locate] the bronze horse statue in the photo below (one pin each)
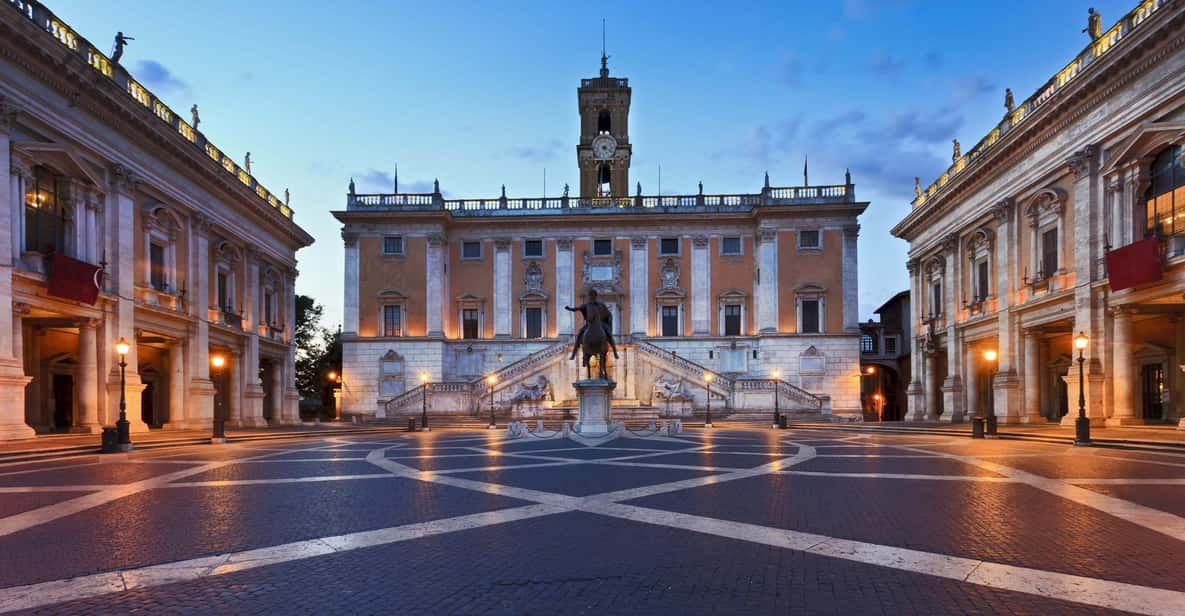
(595, 338)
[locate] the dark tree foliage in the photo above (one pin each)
(317, 349)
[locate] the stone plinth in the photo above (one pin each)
(594, 396)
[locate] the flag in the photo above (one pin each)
(73, 279)
(805, 180)
(1133, 265)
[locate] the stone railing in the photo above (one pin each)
(1095, 50)
(770, 196)
(44, 18)
(722, 385)
(792, 394)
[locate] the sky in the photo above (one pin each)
(480, 94)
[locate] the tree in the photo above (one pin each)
(313, 342)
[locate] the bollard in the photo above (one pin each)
(782, 421)
(990, 431)
(110, 440)
(411, 424)
(977, 427)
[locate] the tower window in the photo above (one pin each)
(603, 181)
(604, 122)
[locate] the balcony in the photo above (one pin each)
(225, 316)
(161, 296)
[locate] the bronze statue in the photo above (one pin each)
(1094, 24)
(120, 42)
(595, 337)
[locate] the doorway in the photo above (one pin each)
(1152, 391)
(147, 408)
(266, 377)
(63, 402)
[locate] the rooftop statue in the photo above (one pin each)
(1009, 103)
(917, 186)
(958, 153)
(197, 119)
(285, 196)
(121, 41)
(565, 191)
(351, 186)
(595, 337)
(247, 163)
(1094, 24)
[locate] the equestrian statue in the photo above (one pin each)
(595, 338)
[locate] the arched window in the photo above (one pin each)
(48, 218)
(603, 181)
(604, 123)
(1165, 201)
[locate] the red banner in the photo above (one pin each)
(1133, 265)
(73, 279)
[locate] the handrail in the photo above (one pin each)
(792, 391)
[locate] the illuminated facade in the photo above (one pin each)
(1069, 216)
(195, 257)
(743, 287)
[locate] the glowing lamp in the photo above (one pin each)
(122, 347)
(1080, 341)
(990, 355)
(491, 379)
(708, 377)
(217, 361)
(777, 374)
(424, 377)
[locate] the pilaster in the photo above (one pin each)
(1123, 371)
(767, 288)
(639, 285)
(88, 377)
(502, 288)
(434, 289)
(851, 280)
(121, 323)
(701, 275)
(563, 285)
(350, 284)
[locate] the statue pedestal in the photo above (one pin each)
(594, 396)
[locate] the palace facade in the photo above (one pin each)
(756, 292)
(124, 221)
(1068, 217)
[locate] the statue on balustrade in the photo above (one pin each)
(286, 196)
(595, 337)
(247, 163)
(958, 151)
(1009, 103)
(917, 186)
(351, 186)
(121, 41)
(1094, 24)
(196, 118)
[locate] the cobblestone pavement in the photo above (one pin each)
(726, 521)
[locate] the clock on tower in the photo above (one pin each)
(604, 150)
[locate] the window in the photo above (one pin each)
(47, 219)
(867, 344)
(470, 250)
(223, 291)
(936, 299)
(269, 315)
(1049, 253)
(732, 320)
(891, 345)
(730, 246)
(808, 238)
(604, 182)
(393, 245)
(670, 320)
(810, 316)
(156, 260)
(392, 321)
(981, 281)
(1165, 205)
(668, 247)
(469, 323)
(534, 322)
(602, 248)
(604, 122)
(533, 249)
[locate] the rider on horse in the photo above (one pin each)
(591, 303)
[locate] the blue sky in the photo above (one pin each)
(482, 94)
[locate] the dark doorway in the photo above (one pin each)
(63, 402)
(266, 376)
(1152, 391)
(1063, 395)
(147, 408)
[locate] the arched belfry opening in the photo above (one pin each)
(604, 180)
(604, 122)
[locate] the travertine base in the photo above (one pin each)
(594, 396)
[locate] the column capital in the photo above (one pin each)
(564, 244)
(8, 114)
(911, 265)
(1123, 312)
(436, 239)
(766, 234)
(123, 180)
(201, 224)
(20, 165)
(86, 323)
(638, 243)
(950, 243)
(851, 231)
(349, 238)
(1082, 161)
(501, 245)
(1002, 211)
(700, 241)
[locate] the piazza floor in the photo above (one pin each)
(727, 521)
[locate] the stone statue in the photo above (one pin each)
(1094, 24)
(534, 392)
(671, 390)
(565, 191)
(196, 119)
(285, 196)
(639, 189)
(503, 191)
(958, 151)
(917, 186)
(351, 186)
(701, 187)
(595, 337)
(1009, 104)
(436, 186)
(247, 163)
(121, 41)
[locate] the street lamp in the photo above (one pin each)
(424, 402)
(1082, 424)
(990, 355)
(708, 387)
(777, 378)
(876, 400)
(492, 380)
(122, 427)
(217, 361)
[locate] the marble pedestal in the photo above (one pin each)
(594, 396)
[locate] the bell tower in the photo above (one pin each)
(604, 149)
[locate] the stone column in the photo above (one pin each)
(1123, 377)
(176, 386)
(350, 312)
(502, 288)
(851, 294)
(563, 285)
(1087, 247)
(975, 406)
(701, 288)
(952, 386)
(121, 227)
(234, 396)
(916, 392)
(200, 412)
(88, 377)
(767, 288)
(280, 412)
(291, 395)
(1006, 385)
(639, 286)
(932, 386)
(12, 371)
(435, 293)
(1032, 380)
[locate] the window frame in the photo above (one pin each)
(678, 247)
(740, 319)
(477, 320)
(526, 323)
(480, 250)
(678, 316)
(596, 242)
(818, 234)
(402, 246)
(818, 303)
(400, 329)
(529, 255)
(740, 251)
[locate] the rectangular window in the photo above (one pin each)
(1049, 253)
(668, 246)
(533, 249)
(534, 318)
(936, 299)
(268, 316)
(470, 250)
(156, 259)
(392, 321)
(730, 246)
(808, 238)
(867, 344)
(602, 248)
(810, 316)
(393, 245)
(732, 320)
(891, 345)
(469, 323)
(670, 320)
(223, 290)
(981, 281)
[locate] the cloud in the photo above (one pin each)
(375, 181)
(158, 78)
(539, 154)
(933, 59)
(972, 87)
(765, 142)
(884, 64)
(791, 71)
(826, 126)
(916, 125)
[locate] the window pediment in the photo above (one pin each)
(810, 289)
(228, 253)
(63, 159)
(1046, 204)
(1148, 139)
(391, 296)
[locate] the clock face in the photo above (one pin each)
(604, 146)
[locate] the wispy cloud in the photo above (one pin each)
(158, 78)
(972, 87)
(790, 71)
(546, 152)
(885, 64)
(376, 181)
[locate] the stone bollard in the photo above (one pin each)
(977, 427)
(565, 429)
(651, 426)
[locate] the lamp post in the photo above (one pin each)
(492, 380)
(868, 371)
(217, 361)
(122, 427)
(1082, 424)
(424, 402)
(777, 378)
(991, 356)
(335, 388)
(708, 388)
